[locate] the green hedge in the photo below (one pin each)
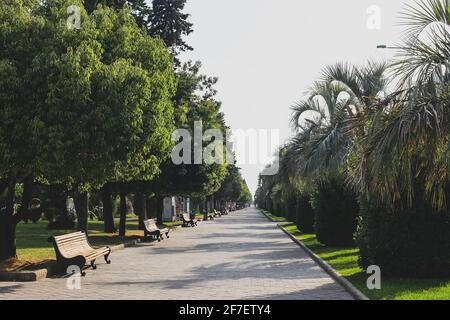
(409, 242)
(336, 211)
(290, 208)
(304, 213)
(278, 208)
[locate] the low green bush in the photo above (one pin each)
(304, 213)
(336, 211)
(411, 242)
(278, 208)
(290, 208)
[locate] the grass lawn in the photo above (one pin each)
(198, 217)
(345, 261)
(273, 217)
(32, 238)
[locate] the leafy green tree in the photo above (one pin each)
(19, 35)
(170, 23)
(139, 8)
(193, 101)
(246, 196)
(94, 104)
(164, 19)
(233, 188)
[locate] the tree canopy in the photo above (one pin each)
(82, 106)
(164, 19)
(96, 106)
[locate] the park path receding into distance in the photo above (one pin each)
(240, 256)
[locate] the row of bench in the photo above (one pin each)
(74, 249)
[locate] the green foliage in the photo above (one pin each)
(169, 23)
(336, 211)
(291, 208)
(390, 147)
(234, 188)
(345, 262)
(194, 101)
(139, 8)
(304, 213)
(279, 209)
(245, 196)
(408, 135)
(93, 105)
(330, 117)
(408, 242)
(164, 19)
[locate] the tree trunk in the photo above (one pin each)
(8, 226)
(7, 238)
(82, 209)
(140, 208)
(108, 211)
(61, 205)
(58, 201)
(213, 205)
(148, 207)
(123, 214)
(202, 208)
(159, 208)
(27, 195)
(3, 185)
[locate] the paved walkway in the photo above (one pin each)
(242, 256)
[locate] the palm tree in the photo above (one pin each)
(339, 103)
(408, 137)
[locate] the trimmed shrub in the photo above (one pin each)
(336, 211)
(269, 205)
(290, 208)
(278, 209)
(411, 242)
(304, 213)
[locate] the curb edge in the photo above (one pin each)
(354, 292)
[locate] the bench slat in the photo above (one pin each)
(75, 247)
(152, 228)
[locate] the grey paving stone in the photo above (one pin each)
(241, 256)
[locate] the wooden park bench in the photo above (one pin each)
(151, 229)
(74, 249)
(217, 213)
(187, 221)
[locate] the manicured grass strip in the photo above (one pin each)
(345, 262)
(172, 224)
(273, 217)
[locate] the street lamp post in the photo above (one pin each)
(383, 46)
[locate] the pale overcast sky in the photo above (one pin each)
(266, 53)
